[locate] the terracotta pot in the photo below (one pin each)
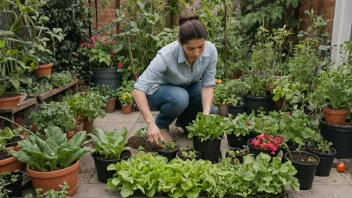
(88, 125)
(16, 148)
(110, 105)
(336, 117)
(11, 101)
(126, 109)
(279, 104)
(70, 134)
(52, 179)
(224, 110)
(79, 127)
(9, 164)
(236, 74)
(44, 70)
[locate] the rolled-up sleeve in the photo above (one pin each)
(210, 72)
(151, 75)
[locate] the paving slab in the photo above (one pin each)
(114, 125)
(87, 164)
(300, 194)
(94, 179)
(94, 191)
(119, 117)
(331, 191)
(84, 178)
(335, 178)
(136, 127)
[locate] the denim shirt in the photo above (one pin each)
(170, 67)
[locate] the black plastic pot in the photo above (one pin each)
(102, 164)
(238, 142)
(237, 110)
(325, 164)
(107, 76)
(168, 154)
(340, 136)
(257, 151)
(254, 103)
(305, 172)
(198, 156)
(15, 188)
(209, 149)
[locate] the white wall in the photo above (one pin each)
(342, 30)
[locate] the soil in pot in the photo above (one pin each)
(136, 141)
(13, 183)
(101, 165)
(305, 164)
(4, 155)
(189, 155)
(169, 154)
(326, 160)
(237, 153)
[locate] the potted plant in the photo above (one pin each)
(9, 88)
(237, 153)
(9, 141)
(109, 149)
(242, 126)
(58, 114)
(62, 192)
(125, 96)
(206, 132)
(305, 164)
(237, 89)
(87, 106)
(188, 154)
(221, 96)
(54, 160)
(326, 155)
(100, 52)
(109, 95)
(12, 183)
(265, 143)
(168, 150)
(10, 138)
(334, 86)
(58, 79)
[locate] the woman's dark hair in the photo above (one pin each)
(191, 28)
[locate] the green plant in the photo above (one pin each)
(324, 146)
(242, 124)
(208, 127)
(39, 86)
(142, 132)
(258, 84)
(109, 143)
(141, 148)
(189, 154)
(9, 177)
(235, 153)
(61, 78)
(221, 95)
(100, 51)
(58, 114)
(237, 89)
(89, 105)
(125, 93)
(51, 193)
(53, 153)
(168, 145)
(6, 135)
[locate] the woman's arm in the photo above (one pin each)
(153, 130)
(207, 99)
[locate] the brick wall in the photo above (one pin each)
(321, 7)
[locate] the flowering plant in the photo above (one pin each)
(100, 51)
(267, 142)
(126, 99)
(125, 93)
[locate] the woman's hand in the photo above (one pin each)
(154, 134)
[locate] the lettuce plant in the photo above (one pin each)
(53, 153)
(208, 127)
(109, 143)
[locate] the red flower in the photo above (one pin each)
(112, 52)
(113, 41)
(248, 124)
(119, 65)
(75, 54)
(82, 44)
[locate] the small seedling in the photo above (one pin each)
(142, 132)
(141, 148)
(324, 146)
(169, 146)
(188, 154)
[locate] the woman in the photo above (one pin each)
(179, 80)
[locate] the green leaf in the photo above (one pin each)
(126, 190)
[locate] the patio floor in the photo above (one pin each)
(337, 185)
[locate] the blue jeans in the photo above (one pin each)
(177, 102)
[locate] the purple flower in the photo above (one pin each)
(90, 45)
(196, 5)
(94, 38)
(216, 12)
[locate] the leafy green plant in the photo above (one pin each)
(242, 124)
(40, 86)
(221, 95)
(109, 143)
(89, 105)
(62, 193)
(53, 153)
(168, 145)
(61, 78)
(9, 177)
(105, 91)
(142, 132)
(189, 154)
(58, 114)
(208, 127)
(6, 135)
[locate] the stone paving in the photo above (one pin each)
(337, 185)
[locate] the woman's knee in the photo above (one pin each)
(178, 98)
